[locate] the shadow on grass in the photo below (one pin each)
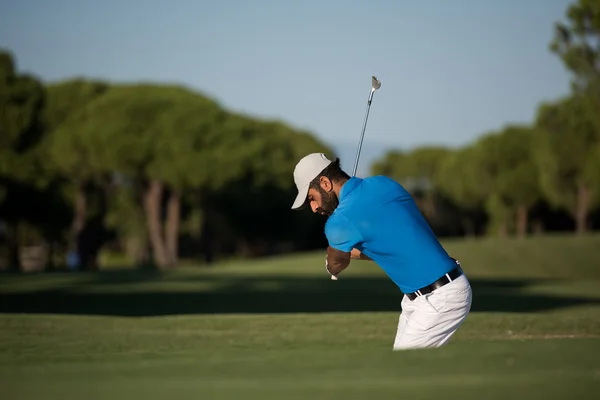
(124, 294)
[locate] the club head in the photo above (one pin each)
(376, 83)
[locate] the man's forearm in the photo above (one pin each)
(335, 268)
(337, 261)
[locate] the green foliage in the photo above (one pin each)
(26, 186)
(460, 179)
(500, 215)
(278, 149)
(417, 170)
(172, 135)
(565, 155)
(66, 98)
(592, 172)
(577, 43)
(22, 100)
(127, 220)
(518, 178)
(257, 204)
(394, 164)
(572, 125)
(142, 132)
(508, 173)
(124, 214)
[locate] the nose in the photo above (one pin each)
(314, 206)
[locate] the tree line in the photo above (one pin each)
(152, 170)
(162, 173)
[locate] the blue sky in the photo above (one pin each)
(450, 70)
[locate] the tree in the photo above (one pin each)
(71, 157)
(147, 135)
(460, 180)
(126, 219)
(265, 188)
(169, 147)
(577, 43)
(22, 99)
(566, 157)
(509, 176)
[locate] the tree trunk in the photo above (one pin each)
(51, 251)
(502, 230)
(152, 207)
(582, 210)
(13, 247)
(78, 224)
(538, 227)
(206, 237)
(521, 220)
(172, 227)
(80, 211)
(430, 208)
(92, 235)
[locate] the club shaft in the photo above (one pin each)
(362, 134)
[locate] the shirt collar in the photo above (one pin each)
(349, 186)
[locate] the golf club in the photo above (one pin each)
(375, 84)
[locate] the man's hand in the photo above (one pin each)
(337, 260)
(333, 277)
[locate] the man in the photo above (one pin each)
(376, 219)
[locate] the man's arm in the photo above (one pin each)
(356, 254)
(337, 260)
(342, 237)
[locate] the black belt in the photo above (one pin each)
(449, 277)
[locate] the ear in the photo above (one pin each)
(326, 184)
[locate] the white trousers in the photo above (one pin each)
(432, 319)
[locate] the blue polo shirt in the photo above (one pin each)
(377, 216)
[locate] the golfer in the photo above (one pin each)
(376, 219)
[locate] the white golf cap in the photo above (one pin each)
(307, 169)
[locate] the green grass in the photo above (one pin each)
(280, 329)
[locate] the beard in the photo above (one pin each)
(329, 202)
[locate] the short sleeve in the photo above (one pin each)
(341, 233)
